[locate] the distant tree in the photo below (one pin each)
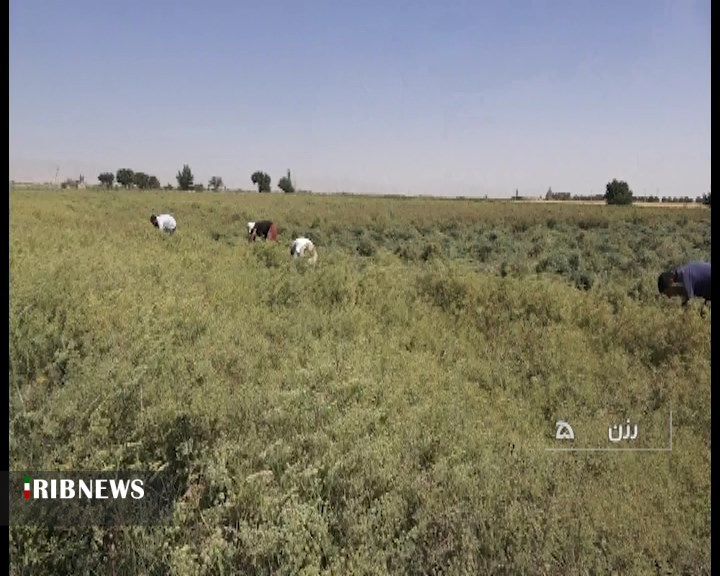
(198, 187)
(168, 186)
(215, 183)
(153, 183)
(69, 183)
(185, 178)
(107, 179)
(261, 180)
(706, 199)
(549, 195)
(125, 177)
(141, 180)
(285, 184)
(618, 193)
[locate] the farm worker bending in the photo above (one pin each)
(689, 281)
(265, 229)
(164, 222)
(304, 247)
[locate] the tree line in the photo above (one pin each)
(618, 192)
(128, 178)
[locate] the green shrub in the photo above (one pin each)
(388, 413)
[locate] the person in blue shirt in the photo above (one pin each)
(689, 281)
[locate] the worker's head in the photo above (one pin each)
(669, 284)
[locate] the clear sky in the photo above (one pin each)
(442, 97)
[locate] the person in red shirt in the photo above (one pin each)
(264, 228)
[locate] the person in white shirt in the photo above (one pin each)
(164, 222)
(304, 247)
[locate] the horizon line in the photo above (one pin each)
(479, 196)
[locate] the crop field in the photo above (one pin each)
(387, 411)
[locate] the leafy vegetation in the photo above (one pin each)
(618, 192)
(125, 177)
(285, 184)
(145, 182)
(387, 411)
(215, 183)
(185, 178)
(128, 178)
(106, 179)
(261, 180)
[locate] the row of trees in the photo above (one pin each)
(262, 180)
(128, 178)
(618, 192)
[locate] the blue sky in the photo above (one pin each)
(400, 96)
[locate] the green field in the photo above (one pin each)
(385, 412)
